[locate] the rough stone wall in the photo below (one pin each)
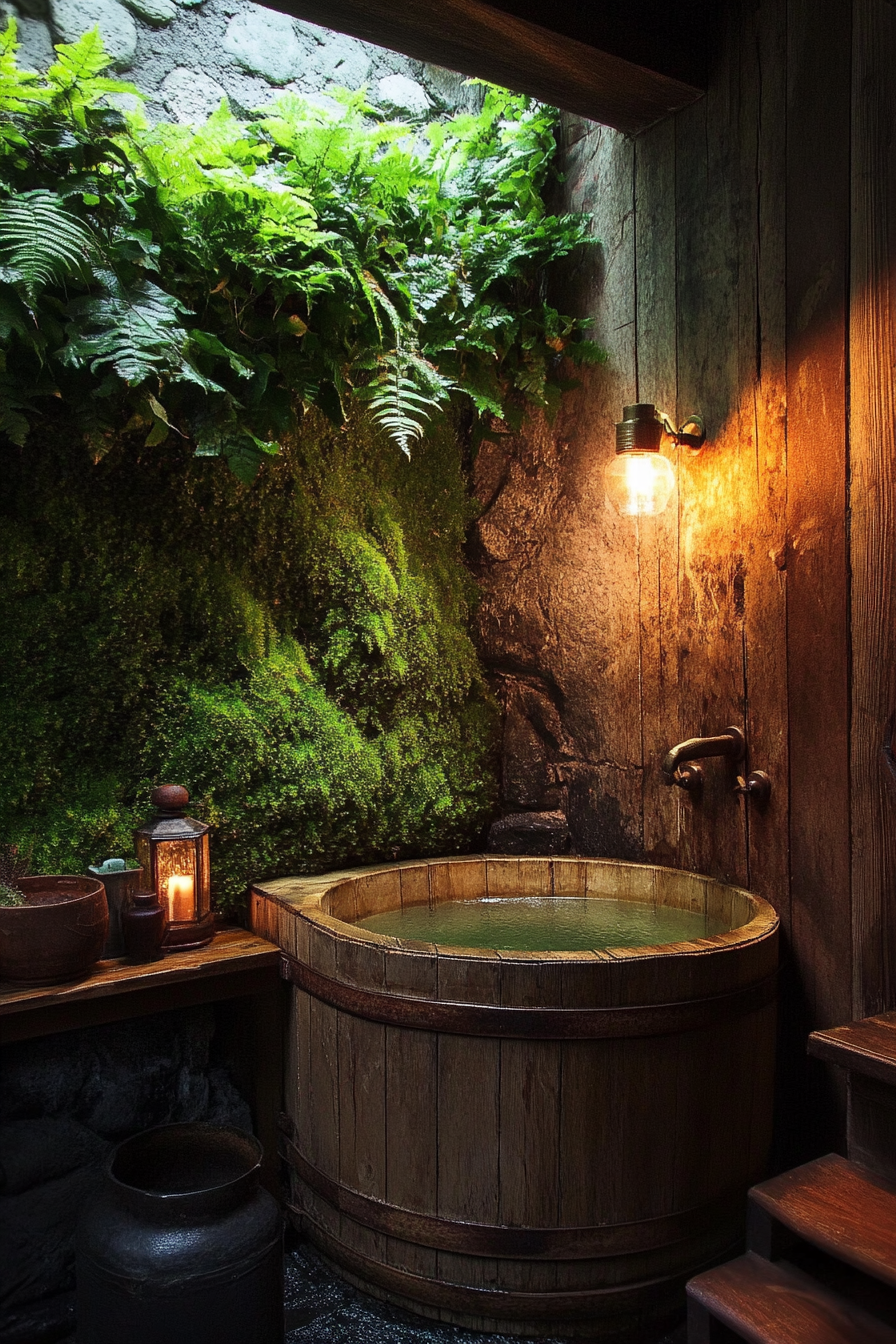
(558, 621)
(186, 55)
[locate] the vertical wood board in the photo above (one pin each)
(872, 500)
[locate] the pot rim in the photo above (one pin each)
(33, 887)
(174, 1199)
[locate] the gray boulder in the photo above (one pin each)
(343, 61)
(156, 12)
(404, 95)
(73, 18)
(36, 50)
(189, 95)
(265, 43)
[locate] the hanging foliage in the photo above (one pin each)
(214, 281)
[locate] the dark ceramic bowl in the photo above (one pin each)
(57, 935)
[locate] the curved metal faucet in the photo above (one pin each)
(676, 770)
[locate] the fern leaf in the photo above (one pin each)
(17, 91)
(42, 242)
(406, 392)
(134, 330)
(79, 61)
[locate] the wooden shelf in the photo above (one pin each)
(235, 963)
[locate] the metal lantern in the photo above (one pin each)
(173, 851)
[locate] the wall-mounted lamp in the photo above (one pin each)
(640, 480)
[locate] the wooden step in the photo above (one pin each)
(765, 1303)
(842, 1208)
(868, 1046)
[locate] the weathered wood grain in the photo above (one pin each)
(657, 539)
(867, 1046)
(763, 421)
(479, 39)
(872, 504)
(771, 1304)
(362, 1117)
(235, 963)
(469, 1128)
(817, 227)
(495, 1175)
(712, 214)
(840, 1208)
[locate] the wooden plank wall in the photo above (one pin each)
(872, 501)
(748, 274)
(817, 226)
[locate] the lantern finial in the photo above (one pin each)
(169, 798)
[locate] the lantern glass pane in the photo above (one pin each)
(176, 878)
(204, 901)
(144, 858)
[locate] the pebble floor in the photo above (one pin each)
(322, 1309)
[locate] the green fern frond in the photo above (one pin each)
(79, 61)
(405, 394)
(132, 330)
(17, 87)
(42, 242)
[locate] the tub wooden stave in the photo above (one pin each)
(569, 1181)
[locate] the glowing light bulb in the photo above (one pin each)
(639, 484)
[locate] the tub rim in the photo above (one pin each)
(309, 897)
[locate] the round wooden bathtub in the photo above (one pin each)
(529, 1142)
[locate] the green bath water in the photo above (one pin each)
(544, 924)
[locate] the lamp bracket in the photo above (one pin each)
(691, 433)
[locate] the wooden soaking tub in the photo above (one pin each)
(528, 1142)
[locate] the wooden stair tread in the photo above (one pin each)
(766, 1303)
(867, 1046)
(840, 1207)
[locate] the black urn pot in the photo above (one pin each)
(181, 1243)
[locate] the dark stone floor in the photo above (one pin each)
(322, 1309)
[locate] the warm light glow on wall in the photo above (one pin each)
(639, 480)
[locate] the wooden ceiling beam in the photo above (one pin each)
(557, 67)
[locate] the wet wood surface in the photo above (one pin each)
(236, 962)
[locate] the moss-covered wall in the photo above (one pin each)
(296, 652)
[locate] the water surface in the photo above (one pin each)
(544, 924)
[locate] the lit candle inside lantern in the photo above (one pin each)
(180, 898)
